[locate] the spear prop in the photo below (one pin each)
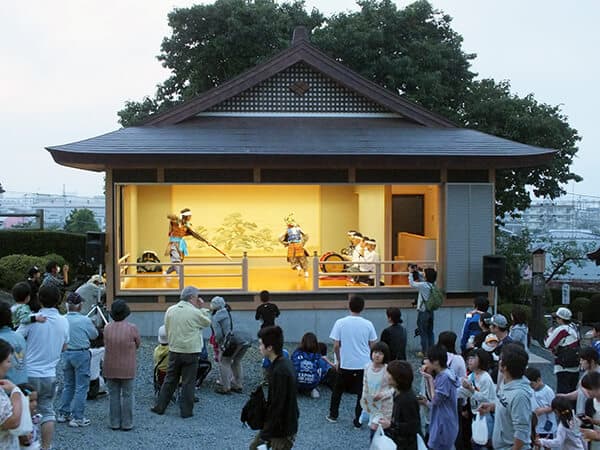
(200, 238)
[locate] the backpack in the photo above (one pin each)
(436, 298)
(255, 409)
(307, 369)
(567, 356)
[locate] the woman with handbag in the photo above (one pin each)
(233, 347)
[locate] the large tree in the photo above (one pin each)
(412, 51)
(81, 221)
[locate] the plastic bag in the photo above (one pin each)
(479, 430)
(421, 443)
(381, 441)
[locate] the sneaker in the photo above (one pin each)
(238, 390)
(222, 390)
(356, 423)
(315, 393)
(62, 418)
(331, 419)
(79, 422)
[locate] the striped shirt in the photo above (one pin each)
(121, 340)
(563, 336)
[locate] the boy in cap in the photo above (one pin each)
(499, 327)
(563, 341)
(161, 357)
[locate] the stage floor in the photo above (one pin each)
(280, 278)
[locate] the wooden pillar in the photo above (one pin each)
(109, 250)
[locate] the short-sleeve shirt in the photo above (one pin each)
(354, 334)
(267, 312)
(542, 398)
(18, 368)
(45, 341)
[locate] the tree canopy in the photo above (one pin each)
(81, 221)
(413, 52)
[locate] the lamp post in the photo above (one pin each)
(538, 290)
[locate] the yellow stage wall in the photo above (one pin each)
(231, 215)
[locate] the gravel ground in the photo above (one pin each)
(216, 423)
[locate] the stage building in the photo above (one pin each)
(299, 133)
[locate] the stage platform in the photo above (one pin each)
(272, 278)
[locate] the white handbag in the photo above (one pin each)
(381, 441)
(26, 425)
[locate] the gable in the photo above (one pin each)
(299, 89)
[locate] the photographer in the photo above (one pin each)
(424, 316)
(91, 292)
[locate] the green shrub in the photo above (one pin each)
(507, 308)
(70, 246)
(13, 268)
(594, 311)
(581, 305)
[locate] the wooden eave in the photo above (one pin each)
(103, 161)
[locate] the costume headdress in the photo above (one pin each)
(185, 212)
(290, 219)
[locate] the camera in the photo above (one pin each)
(585, 423)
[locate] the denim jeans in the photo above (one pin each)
(76, 369)
(120, 409)
(182, 366)
(46, 389)
(425, 326)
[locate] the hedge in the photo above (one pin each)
(22, 242)
(13, 268)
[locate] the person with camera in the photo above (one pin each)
(424, 315)
(91, 292)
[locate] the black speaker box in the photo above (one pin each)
(94, 248)
(494, 268)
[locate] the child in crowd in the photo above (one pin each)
(161, 357)
(424, 398)
(589, 361)
(97, 383)
(443, 426)
(267, 311)
(404, 424)
(595, 335)
(519, 331)
(568, 436)
(479, 388)
(21, 312)
(541, 404)
(31, 441)
(377, 395)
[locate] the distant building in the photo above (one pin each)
(56, 207)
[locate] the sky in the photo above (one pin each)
(68, 66)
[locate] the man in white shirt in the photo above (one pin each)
(45, 343)
(352, 338)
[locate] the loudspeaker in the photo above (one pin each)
(94, 248)
(494, 268)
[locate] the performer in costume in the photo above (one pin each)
(294, 239)
(179, 227)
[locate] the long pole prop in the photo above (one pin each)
(200, 238)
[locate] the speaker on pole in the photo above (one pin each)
(94, 248)
(494, 268)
